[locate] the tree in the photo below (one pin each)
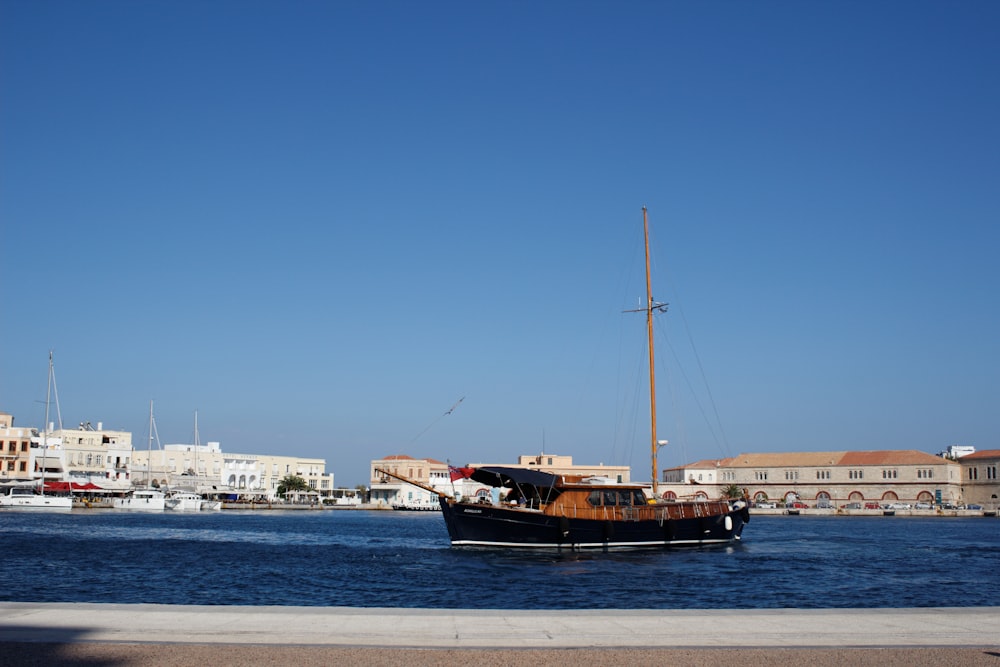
(732, 492)
(292, 483)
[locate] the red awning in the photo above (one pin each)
(71, 486)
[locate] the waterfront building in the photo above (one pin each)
(979, 478)
(94, 455)
(207, 469)
(16, 462)
(387, 491)
(833, 478)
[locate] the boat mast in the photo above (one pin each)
(650, 306)
(196, 446)
(45, 427)
(149, 449)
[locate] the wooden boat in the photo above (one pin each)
(544, 510)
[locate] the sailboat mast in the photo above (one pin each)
(197, 444)
(149, 449)
(650, 306)
(45, 427)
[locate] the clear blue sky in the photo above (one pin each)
(320, 224)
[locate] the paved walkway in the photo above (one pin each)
(67, 623)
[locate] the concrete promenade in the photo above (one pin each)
(136, 634)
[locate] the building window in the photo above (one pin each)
(855, 474)
(760, 475)
(973, 473)
(791, 475)
(991, 472)
(822, 474)
(889, 474)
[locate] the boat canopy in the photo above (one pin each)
(509, 477)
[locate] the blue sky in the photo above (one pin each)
(320, 224)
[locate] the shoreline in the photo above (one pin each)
(139, 634)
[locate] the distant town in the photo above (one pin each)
(93, 462)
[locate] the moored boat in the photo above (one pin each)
(183, 501)
(147, 500)
(24, 497)
(546, 510)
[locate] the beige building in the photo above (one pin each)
(979, 478)
(817, 477)
(15, 451)
(387, 491)
(94, 455)
(208, 469)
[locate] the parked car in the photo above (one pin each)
(797, 505)
(765, 506)
(851, 506)
(923, 506)
(900, 506)
(872, 506)
(973, 507)
(824, 505)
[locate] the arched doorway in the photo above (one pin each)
(856, 496)
(890, 496)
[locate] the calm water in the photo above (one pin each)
(402, 559)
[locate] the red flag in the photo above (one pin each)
(460, 473)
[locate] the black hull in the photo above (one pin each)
(498, 526)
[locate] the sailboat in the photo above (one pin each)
(144, 499)
(543, 510)
(24, 496)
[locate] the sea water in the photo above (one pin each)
(403, 559)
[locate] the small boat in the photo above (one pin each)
(183, 501)
(543, 510)
(146, 500)
(24, 497)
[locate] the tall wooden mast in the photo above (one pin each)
(652, 373)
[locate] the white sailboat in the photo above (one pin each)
(24, 497)
(144, 499)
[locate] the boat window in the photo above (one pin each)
(625, 498)
(610, 498)
(594, 498)
(638, 498)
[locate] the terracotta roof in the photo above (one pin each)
(984, 454)
(900, 457)
(404, 457)
(822, 459)
(781, 459)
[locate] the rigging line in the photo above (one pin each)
(708, 388)
(55, 392)
(674, 283)
(447, 412)
(687, 381)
